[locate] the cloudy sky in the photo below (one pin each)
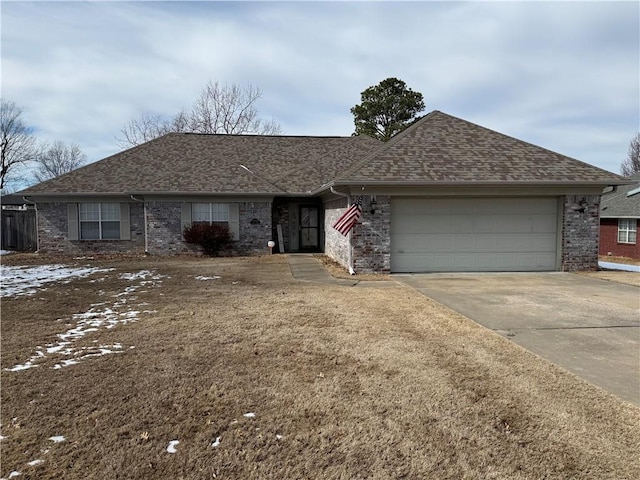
(563, 75)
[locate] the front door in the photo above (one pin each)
(309, 227)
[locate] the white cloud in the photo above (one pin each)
(563, 75)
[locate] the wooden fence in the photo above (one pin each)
(19, 230)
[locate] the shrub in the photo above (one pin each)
(213, 238)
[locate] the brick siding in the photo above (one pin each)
(53, 233)
(609, 241)
(370, 237)
(336, 246)
(164, 230)
(580, 232)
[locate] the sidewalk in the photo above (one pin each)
(306, 268)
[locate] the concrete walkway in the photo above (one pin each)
(306, 268)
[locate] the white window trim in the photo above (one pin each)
(627, 226)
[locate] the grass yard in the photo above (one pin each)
(194, 368)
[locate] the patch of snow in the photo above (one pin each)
(33, 463)
(249, 415)
(2, 437)
(141, 275)
(57, 439)
(619, 266)
(14, 474)
(202, 277)
(99, 316)
(18, 281)
(217, 442)
(279, 437)
(5, 252)
(172, 446)
(25, 366)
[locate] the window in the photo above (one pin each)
(210, 212)
(99, 221)
(627, 230)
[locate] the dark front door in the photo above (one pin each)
(309, 227)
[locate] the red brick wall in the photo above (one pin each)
(609, 241)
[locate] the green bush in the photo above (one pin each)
(213, 238)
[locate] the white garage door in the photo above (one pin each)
(473, 234)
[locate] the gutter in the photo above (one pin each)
(350, 251)
(146, 237)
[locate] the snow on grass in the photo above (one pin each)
(202, 277)
(18, 281)
(57, 439)
(5, 252)
(172, 446)
(99, 316)
(249, 415)
(35, 462)
(217, 442)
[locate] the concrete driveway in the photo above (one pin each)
(586, 325)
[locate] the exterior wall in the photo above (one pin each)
(371, 237)
(336, 246)
(580, 232)
(165, 228)
(255, 227)
(609, 241)
(53, 235)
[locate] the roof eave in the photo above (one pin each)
(487, 183)
(143, 193)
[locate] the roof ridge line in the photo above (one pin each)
(385, 146)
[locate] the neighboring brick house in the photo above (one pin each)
(619, 216)
(443, 195)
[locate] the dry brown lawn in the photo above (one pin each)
(344, 382)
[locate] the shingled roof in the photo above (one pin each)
(219, 164)
(622, 202)
(439, 149)
(442, 149)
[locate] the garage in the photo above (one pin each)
(474, 234)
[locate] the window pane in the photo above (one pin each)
(632, 237)
(110, 211)
(200, 212)
(89, 212)
(220, 212)
(89, 231)
(111, 230)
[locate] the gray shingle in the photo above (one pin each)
(437, 149)
(441, 148)
(618, 204)
(193, 163)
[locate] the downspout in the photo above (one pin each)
(144, 206)
(35, 207)
(350, 250)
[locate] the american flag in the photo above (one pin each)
(348, 219)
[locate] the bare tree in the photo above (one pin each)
(631, 164)
(229, 109)
(57, 159)
(18, 146)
